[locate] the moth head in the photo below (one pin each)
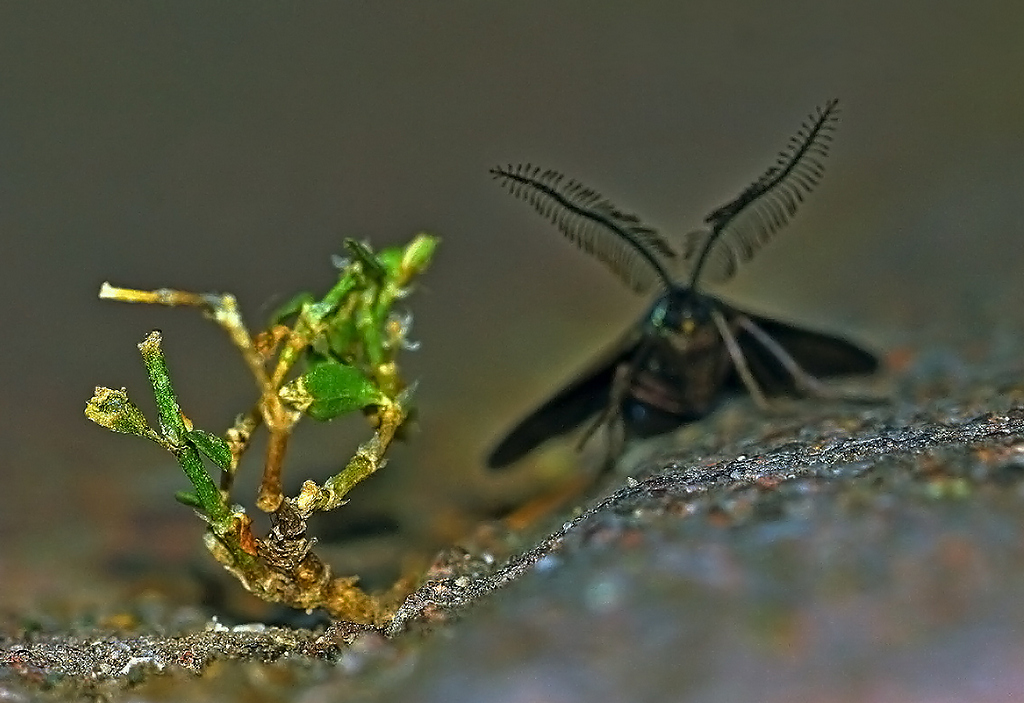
(681, 312)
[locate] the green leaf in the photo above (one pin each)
(290, 308)
(391, 259)
(331, 389)
(418, 254)
(342, 335)
(172, 422)
(189, 499)
(215, 448)
(373, 268)
(112, 409)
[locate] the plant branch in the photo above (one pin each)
(348, 343)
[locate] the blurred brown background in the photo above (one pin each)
(232, 148)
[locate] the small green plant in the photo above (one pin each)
(321, 358)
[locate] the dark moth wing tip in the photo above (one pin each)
(505, 454)
(559, 415)
(567, 409)
(821, 354)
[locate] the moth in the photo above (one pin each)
(690, 348)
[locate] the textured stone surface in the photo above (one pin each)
(830, 552)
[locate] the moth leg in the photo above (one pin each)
(611, 416)
(603, 417)
(805, 382)
(615, 440)
(739, 361)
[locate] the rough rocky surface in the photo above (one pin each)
(825, 552)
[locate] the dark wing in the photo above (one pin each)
(738, 229)
(568, 409)
(626, 245)
(819, 354)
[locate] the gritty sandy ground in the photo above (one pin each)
(828, 552)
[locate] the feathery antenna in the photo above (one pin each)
(619, 239)
(742, 226)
